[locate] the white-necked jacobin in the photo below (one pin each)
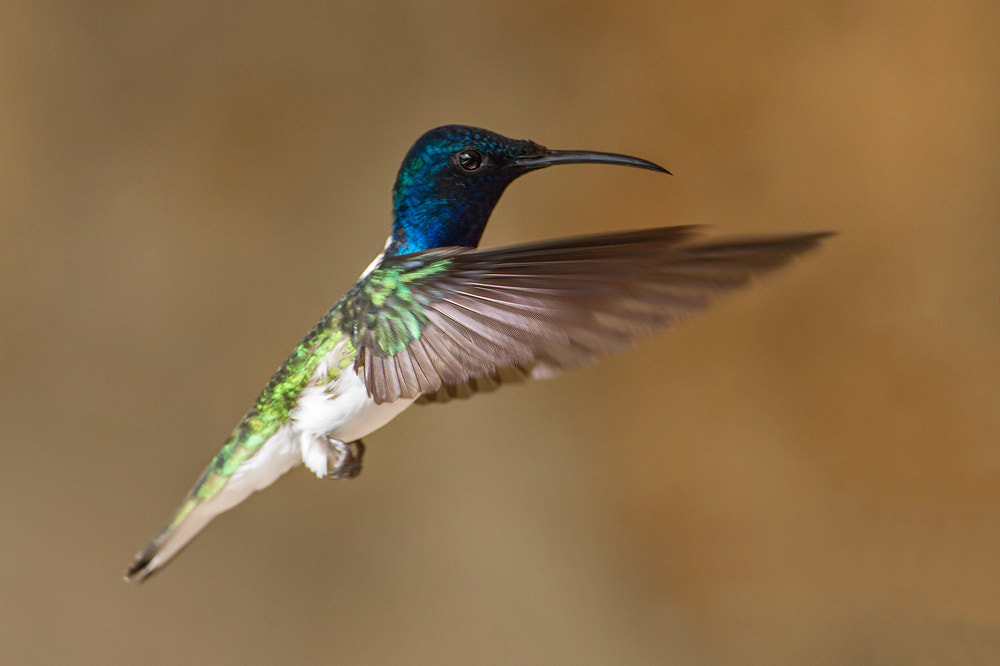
(434, 318)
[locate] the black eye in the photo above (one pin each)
(470, 159)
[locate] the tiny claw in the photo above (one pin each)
(348, 465)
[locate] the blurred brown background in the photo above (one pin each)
(806, 474)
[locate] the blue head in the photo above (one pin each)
(453, 177)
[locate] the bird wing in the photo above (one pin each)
(451, 321)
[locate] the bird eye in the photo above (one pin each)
(470, 159)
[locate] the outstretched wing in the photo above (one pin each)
(451, 321)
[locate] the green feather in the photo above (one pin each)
(381, 312)
(273, 407)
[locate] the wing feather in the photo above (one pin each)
(450, 322)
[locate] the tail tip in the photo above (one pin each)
(141, 568)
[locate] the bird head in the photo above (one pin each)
(453, 176)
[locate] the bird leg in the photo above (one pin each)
(348, 462)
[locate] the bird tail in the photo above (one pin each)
(213, 494)
(190, 519)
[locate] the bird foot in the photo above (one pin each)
(348, 463)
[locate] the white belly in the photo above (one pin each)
(343, 410)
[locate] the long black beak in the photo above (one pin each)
(550, 157)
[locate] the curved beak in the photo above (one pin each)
(550, 157)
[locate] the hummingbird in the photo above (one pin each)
(434, 318)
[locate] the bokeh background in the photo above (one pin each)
(809, 473)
